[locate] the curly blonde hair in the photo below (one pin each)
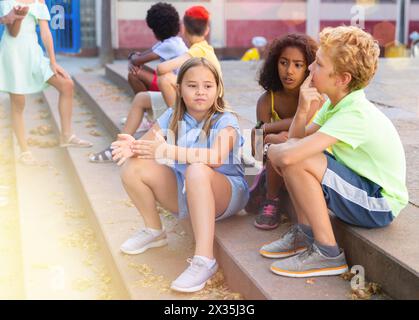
(351, 50)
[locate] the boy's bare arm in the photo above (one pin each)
(309, 101)
(138, 59)
(171, 65)
(296, 150)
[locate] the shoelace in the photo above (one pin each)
(269, 209)
(194, 266)
(306, 254)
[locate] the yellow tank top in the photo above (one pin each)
(274, 114)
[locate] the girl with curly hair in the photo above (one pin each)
(283, 72)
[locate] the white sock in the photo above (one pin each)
(209, 262)
(155, 232)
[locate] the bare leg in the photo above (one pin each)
(303, 181)
(274, 182)
(147, 181)
(141, 81)
(65, 104)
(209, 194)
(167, 85)
(18, 105)
(141, 103)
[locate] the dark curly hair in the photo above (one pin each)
(164, 20)
(268, 77)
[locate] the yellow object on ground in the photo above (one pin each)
(395, 51)
(251, 55)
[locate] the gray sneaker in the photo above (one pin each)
(292, 242)
(143, 240)
(194, 277)
(311, 263)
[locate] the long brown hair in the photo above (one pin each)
(180, 108)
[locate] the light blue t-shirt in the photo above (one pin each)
(189, 137)
(170, 48)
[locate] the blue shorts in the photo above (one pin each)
(239, 196)
(352, 198)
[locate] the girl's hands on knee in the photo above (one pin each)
(122, 148)
(59, 71)
(150, 149)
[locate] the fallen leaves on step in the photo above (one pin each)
(149, 279)
(84, 238)
(44, 114)
(95, 133)
(91, 123)
(370, 290)
(347, 276)
(46, 143)
(41, 130)
(216, 288)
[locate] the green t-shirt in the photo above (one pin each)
(368, 144)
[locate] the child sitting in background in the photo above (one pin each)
(196, 29)
(163, 20)
(256, 53)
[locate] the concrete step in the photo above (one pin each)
(398, 265)
(145, 276)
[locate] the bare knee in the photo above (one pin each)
(135, 170)
(316, 165)
(66, 87)
(162, 80)
(198, 173)
(140, 100)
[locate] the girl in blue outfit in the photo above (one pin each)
(25, 70)
(203, 175)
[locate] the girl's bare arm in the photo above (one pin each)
(46, 37)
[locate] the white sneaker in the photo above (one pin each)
(195, 276)
(143, 240)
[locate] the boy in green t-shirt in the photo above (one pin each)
(362, 183)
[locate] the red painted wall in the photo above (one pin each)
(135, 34)
(241, 32)
(383, 31)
